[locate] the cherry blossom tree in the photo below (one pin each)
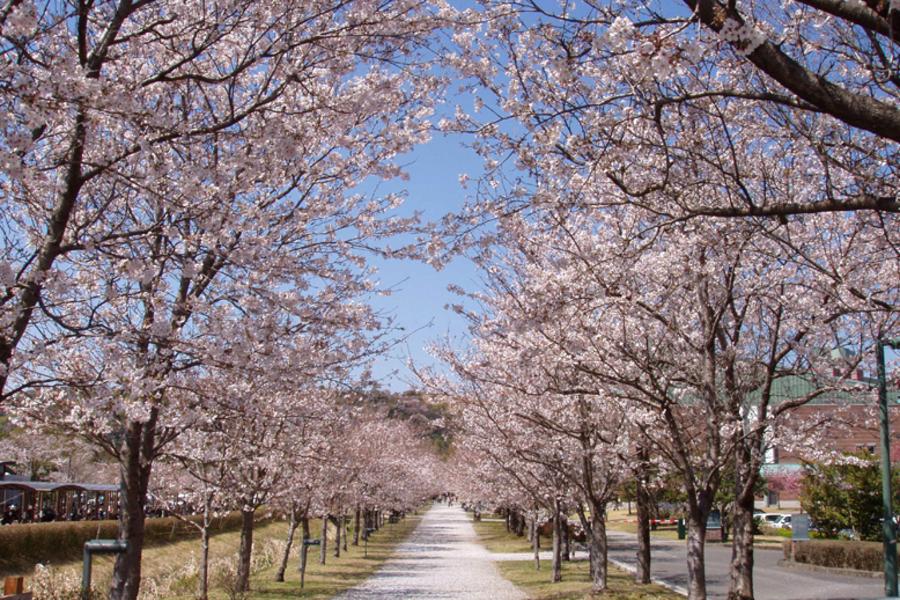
(192, 480)
(605, 131)
(56, 457)
(634, 103)
(121, 113)
(205, 155)
(258, 438)
(534, 438)
(686, 326)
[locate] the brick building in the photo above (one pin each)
(844, 419)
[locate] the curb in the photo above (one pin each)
(809, 568)
(767, 546)
(632, 569)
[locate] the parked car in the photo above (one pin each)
(783, 523)
(771, 518)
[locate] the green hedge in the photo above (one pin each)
(842, 554)
(24, 545)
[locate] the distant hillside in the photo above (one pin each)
(419, 410)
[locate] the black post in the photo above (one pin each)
(369, 531)
(304, 550)
(97, 547)
(888, 529)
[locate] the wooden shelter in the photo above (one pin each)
(57, 501)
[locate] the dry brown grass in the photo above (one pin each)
(170, 571)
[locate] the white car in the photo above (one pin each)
(771, 519)
(783, 523)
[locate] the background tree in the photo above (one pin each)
(846, 495)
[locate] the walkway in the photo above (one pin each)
(441, 559)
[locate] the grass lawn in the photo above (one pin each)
(338, 574)
(495, 538)
(576, 581)
(169, 571)
(620, 520)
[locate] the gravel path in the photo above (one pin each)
(441, 559)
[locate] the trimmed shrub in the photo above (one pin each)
(25, 545)
(862, 556)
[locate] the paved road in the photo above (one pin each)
(770, 581)
(441, 559)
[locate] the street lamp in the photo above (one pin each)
(889, 532)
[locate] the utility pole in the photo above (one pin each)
(889, 530)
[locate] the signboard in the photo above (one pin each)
(714, 531)
(799, 527)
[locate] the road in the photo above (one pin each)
(770, 582)
(441, 559)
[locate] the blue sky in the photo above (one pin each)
(420, 291)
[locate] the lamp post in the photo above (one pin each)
(889, 531)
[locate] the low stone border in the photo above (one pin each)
(768, 546)
(658, 581)
(798, 566)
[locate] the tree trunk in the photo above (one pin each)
(741, 585)
(304, 525)
(356, 527)
(642, 573)
(567, 543)
(696, 565)
(741, 577)
(304, 549)
(344, 520)
(323, 549)
(292, 527)
(203, 576)
(588, 532)
(127, 569)
(337, 536)
(536, 543)
(598, 549)
(137, 460)
(557, 545)
(246, 550)
(304, 553)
